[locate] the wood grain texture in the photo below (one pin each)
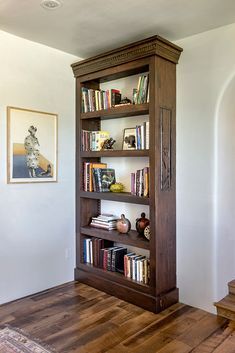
(75, 318)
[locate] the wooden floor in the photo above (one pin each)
(75, 318)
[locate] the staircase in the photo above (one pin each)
(226, 306)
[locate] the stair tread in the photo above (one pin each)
(227, 302)
(231, 283)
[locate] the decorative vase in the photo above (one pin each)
(141, 223)
(123, 225)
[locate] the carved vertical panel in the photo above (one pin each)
(165, 128)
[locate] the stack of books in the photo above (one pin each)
(140, 182)
(93, 140)
(93, 100)
(137, 267)
(105, 221)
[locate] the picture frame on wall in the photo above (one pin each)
(129, 139)
(31, 146)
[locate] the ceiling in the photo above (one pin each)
(89, 27)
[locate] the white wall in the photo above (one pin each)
(205, 249)
(37, 220)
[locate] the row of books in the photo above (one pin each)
(137, 267)
(103, 221)
(142, 92)
(93, 100)
(97, 177)
(142, 136)
(103, 254)
(93, 140)
(140, 182)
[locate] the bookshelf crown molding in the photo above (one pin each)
(151, 46)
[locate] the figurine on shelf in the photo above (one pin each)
(123, 225)
(141, 224)
(117, 187)
(124, 101)
(108, 144)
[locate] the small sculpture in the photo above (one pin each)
(130, 141)
(141, 224)
(117, 187)
(125, 101)
(123, 225)
(108, 144)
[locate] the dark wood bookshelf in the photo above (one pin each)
(158, 57)
(115, 196)
(115, 153)
(118, 112)
(132, 238)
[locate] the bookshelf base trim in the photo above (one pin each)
(144, 300)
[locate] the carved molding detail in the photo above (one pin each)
(166, 160)
(132, 52)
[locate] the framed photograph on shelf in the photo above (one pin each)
(129, 139)
(31, 146)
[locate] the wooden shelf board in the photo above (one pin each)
(132, 238)
(115, 277)
(115, 153)
(115, 196)
(118, 112)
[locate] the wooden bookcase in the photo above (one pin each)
(158, 57)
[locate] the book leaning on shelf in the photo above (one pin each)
(142, 136)
(142, 94)
(103, 178)
(140, 182)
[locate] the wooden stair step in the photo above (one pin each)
(226, 307)
(231, 287)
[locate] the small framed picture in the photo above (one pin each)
(129, 139)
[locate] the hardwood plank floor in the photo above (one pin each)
(75, 318)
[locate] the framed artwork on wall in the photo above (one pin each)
(31, 146)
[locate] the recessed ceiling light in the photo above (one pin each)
(51, 4)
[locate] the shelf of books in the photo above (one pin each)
(132, 238)
(129, 110)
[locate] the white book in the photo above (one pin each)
(91, 251)
(87, 251)
(147, 135)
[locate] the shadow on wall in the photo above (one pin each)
(225, 189)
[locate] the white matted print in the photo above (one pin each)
(31, 146)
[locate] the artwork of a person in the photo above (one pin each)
(31, 145)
